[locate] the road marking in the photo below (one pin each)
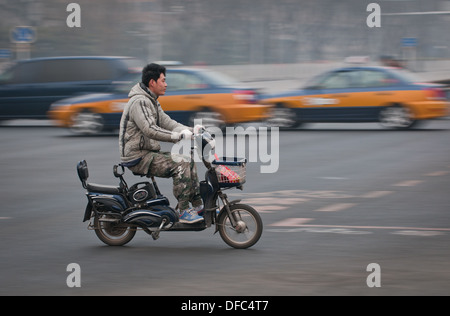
(438, 173)
(283, 201)
(297, 221)
(263, 205)
(307, 194)
(320, 230)
(5, 218)
(270, 208)
(408, 183)
(376, 194)
(292, 222)
(422, 233)
(335, 207)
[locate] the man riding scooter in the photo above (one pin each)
(143, 125)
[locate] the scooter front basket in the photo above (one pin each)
(231, 172)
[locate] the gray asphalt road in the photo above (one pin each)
(344, 197)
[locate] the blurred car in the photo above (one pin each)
(191, 94)
(446, 86)
(29, 87)
(360, 94)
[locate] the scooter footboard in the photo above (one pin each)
(152, 218)
(183, 227)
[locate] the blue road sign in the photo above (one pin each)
(5, 53)
(23, 34)
(409, 41)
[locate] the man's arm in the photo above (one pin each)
(146, 121)
(168, 123)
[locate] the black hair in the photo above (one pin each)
(152, 71)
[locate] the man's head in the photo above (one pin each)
(154, 77)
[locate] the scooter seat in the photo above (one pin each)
(100, 188)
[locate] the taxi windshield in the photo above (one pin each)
(219, 79)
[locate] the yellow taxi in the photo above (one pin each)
(191, 94)
(360, 94)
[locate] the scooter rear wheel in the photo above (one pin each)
(248, 229)
(112, 233)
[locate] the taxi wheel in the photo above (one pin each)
(208, 119)
(87, 123)
(397, 116)
(283, 117)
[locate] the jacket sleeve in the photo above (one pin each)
(145, 119)
(169, 124)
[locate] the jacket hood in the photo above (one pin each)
(141, 89)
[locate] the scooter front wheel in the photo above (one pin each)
(248, 228)
(111, 232)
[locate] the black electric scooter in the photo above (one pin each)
(117, 212)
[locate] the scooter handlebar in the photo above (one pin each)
(204, 138)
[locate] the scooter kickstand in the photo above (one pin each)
(155, 234)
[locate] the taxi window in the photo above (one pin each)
(375, 78)
(338, 80)
(184, 81)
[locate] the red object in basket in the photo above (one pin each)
(225, 175)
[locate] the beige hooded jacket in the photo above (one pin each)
(144, 124)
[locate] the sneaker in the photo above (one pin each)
(189, 216)
(201, 209)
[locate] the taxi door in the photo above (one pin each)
(377, 89)
(328, 100)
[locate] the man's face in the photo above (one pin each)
(158, 87)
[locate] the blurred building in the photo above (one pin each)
(229, 31)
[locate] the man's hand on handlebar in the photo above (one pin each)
(198, 129)
(186, 134)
